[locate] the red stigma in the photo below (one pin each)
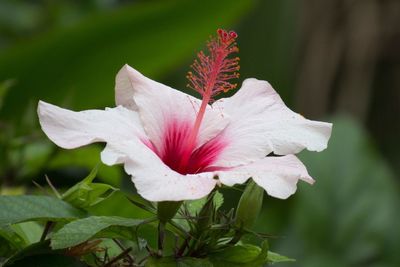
(213, 71)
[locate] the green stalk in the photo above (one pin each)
(166, 210)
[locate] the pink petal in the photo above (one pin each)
(153, 179)
(277, 175)
(126, 143)
(69, 129)
(261, 124)
(160, 106)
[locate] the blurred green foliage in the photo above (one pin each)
(80, 62)
(68, 52)
(347, 218)
(30, 208)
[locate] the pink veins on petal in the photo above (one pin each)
(173, 149)
(210, 76)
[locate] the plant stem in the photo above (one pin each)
(183, 247)
(166, 210)
(46, 230)
(161, 236)
(119, 244)
(119, 257)
(238, 235)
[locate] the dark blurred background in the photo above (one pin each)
(333, 60)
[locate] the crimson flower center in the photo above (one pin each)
(180, 149)
(173, 148)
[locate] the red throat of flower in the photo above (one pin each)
(211, 75)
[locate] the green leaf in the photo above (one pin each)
(82, 230)
(48, 260)
(218, 200)
(29, 231)
(16, 209)
(119, 205)
(10, 241)
(194, 206)
(40, 255)
(244, 255)
(193, 262)
(198, 208)
(239, 254)
(275, 257)
(182, 262)
(86, 194)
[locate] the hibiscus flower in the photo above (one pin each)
(177, 147)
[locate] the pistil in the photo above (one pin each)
(211, 75)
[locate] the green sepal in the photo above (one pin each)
(206, 214)
(274, 257)
(244, 255)
(249, 205)
(86, 193)
(166, 210)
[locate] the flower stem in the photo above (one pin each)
(46, 230)
(166, 210)
(119, 257)
(119, 244)
(161, 237)
(183, 247)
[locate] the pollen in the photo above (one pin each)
(211, 73)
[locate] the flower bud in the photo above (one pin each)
(249, 205)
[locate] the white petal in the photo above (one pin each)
(159, 105)
(153, 179)
(277, 175)
(69, 129)
(261, 124)
(123, 89)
